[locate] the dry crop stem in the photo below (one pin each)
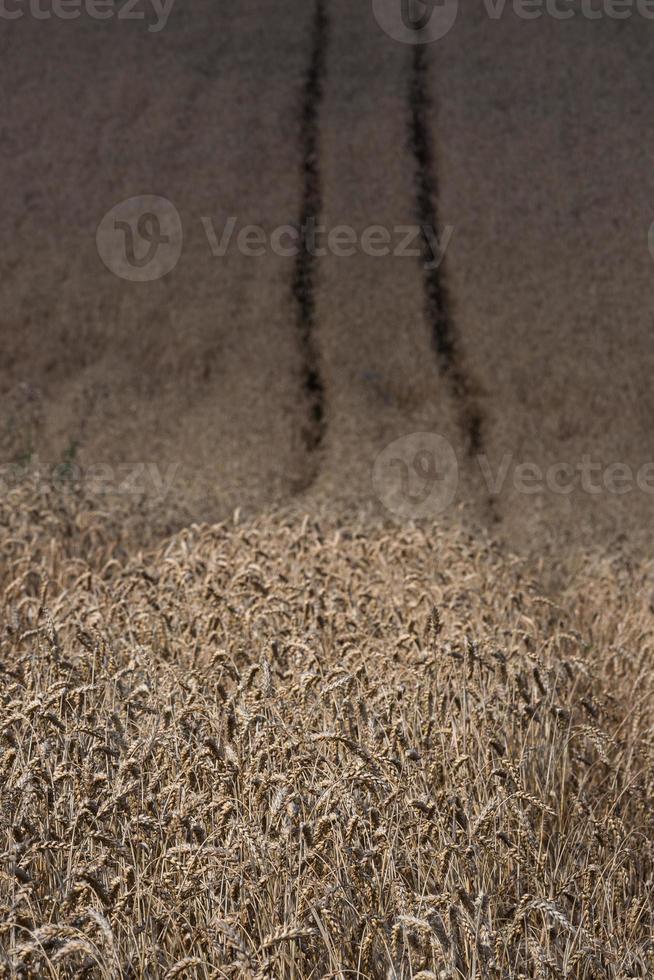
(301, 750)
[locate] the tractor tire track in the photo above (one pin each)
(437, 302)
(304, 277)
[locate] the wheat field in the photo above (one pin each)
(250, 727)
(304, 747)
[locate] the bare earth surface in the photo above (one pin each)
(539, 135)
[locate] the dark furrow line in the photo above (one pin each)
(443, 330)
(304, 277)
